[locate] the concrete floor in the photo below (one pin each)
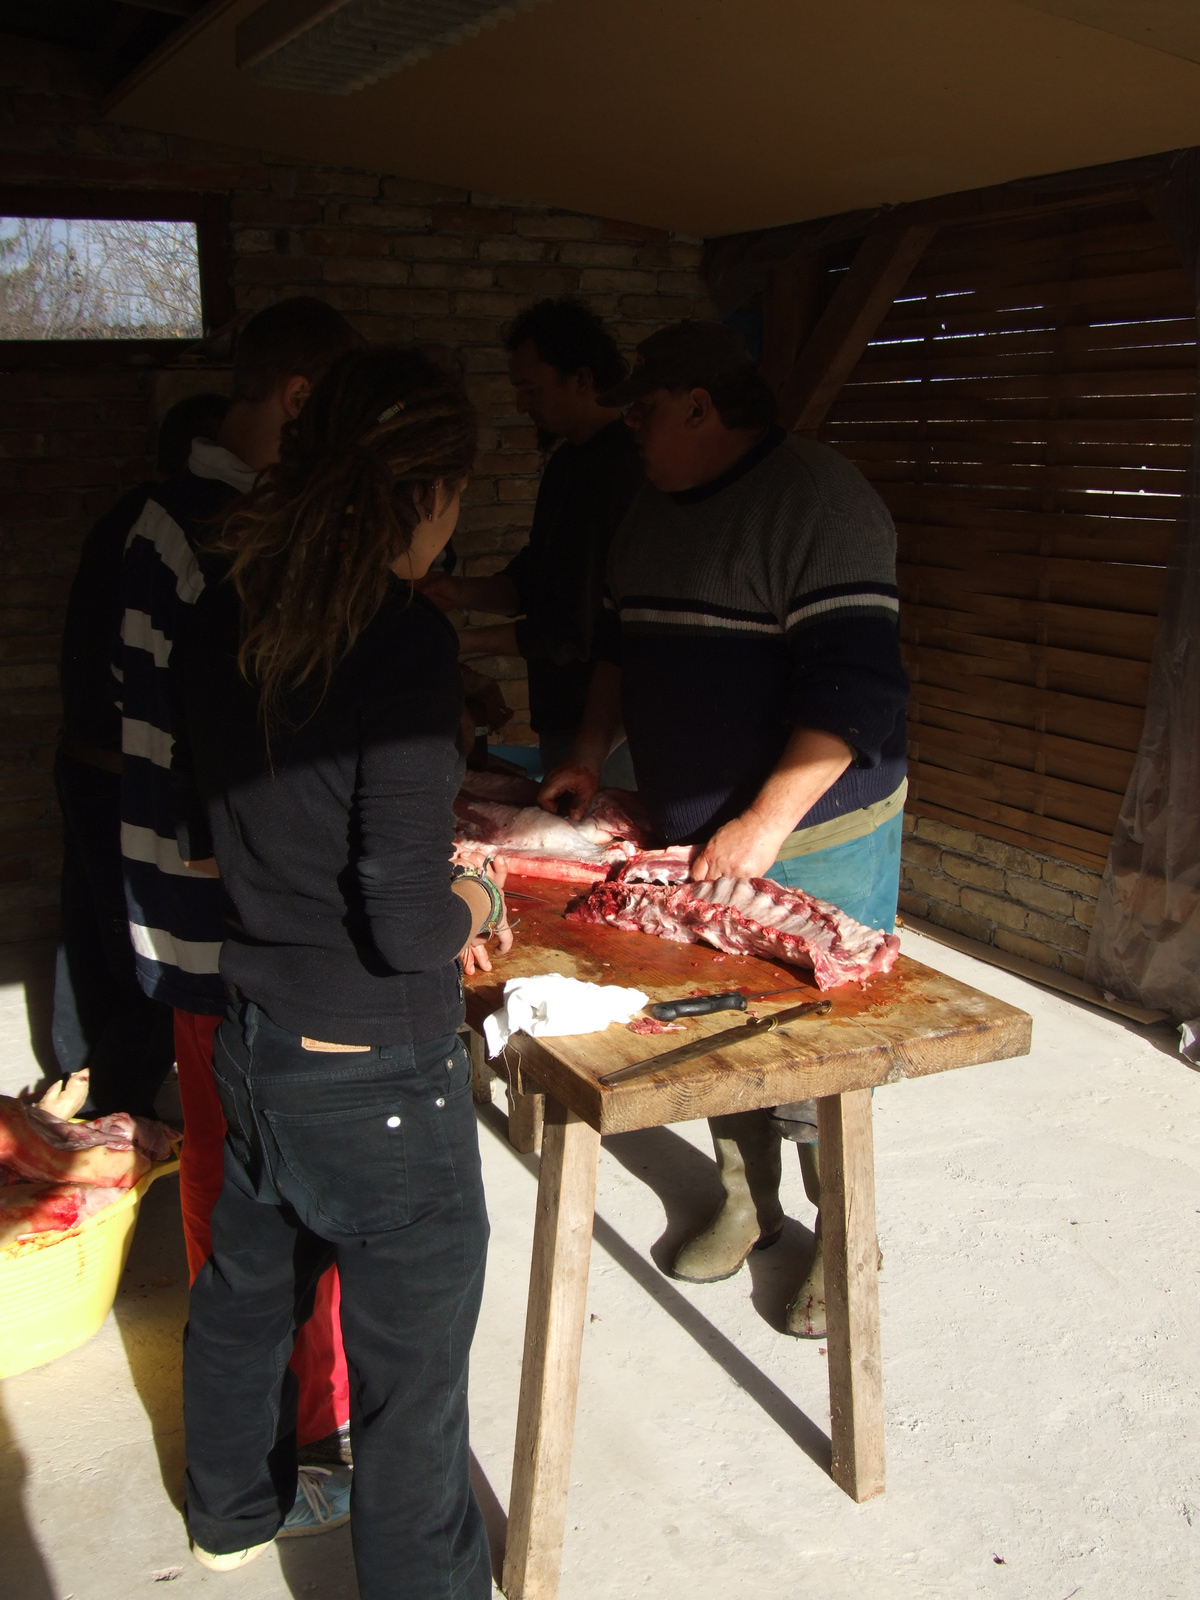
(1041, 1300)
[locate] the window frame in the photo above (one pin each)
(209, 212)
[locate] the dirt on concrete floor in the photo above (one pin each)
(1040, 1298)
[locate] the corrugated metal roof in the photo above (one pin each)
(367, 39)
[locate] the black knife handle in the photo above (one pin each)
(697, 1006)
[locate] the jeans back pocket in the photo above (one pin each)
(348, 1165)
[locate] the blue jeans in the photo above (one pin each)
(369, 1159)
(861, 878)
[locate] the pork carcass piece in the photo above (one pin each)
(743, 916)
(27, 1154)
(27, 1209)
(539, 844)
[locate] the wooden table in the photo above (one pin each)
(912, 1022)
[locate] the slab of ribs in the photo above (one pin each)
(642, 890)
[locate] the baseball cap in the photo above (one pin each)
(687, 355)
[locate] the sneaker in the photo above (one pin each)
(322, 1502)
(331, 1451)
(231, 1561)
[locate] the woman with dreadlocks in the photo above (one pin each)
(321, 698)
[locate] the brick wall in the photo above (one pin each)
(403, 260)
(1030, 905)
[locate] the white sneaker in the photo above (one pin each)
(231, 1561)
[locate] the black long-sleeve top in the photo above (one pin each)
(334, 844)
(559, 575)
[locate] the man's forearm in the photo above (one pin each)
(601, 729)
(745, 847)
(811, 764)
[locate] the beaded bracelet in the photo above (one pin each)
(495, 915)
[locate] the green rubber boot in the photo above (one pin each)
(750, 1218)
(806, 1314)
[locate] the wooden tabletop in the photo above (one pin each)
(908, 1023)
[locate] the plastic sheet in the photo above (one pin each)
(1146, 941)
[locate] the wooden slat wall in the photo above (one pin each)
(1026, 410)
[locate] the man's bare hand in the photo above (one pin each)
(207, 868)
(743, 848)
(573, 779)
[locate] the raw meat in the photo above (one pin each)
(33, 1208)
(118, 1131)
(652, 1025)
(27, 1155)
(538, 844)
(740, 916)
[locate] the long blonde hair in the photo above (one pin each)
(313, 542)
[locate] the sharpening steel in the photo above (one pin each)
(717, 1041)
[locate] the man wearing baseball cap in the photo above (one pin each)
(751, 657)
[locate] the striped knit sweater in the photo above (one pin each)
(177, 917)
(759, 603)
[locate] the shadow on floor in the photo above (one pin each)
(495, 1519)
(150, 1311)
(24, 1570)
(684, 1179)
(779, 1407)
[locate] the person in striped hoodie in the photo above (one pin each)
(178, 909)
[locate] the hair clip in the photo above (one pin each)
(386, 416)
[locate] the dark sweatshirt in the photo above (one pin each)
(335, 848)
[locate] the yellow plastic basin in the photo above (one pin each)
(56, 1289)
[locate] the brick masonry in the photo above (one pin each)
(402, 259)
(1030, 905)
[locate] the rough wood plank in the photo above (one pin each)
(1049, 798)
(847, 1155)
(526, 1117)
(925, 404)
(1124, 634)
(1119, 586)
(1172, 380)
(1093, 721)
(558, 1276)
(905, 1024)
(1022, 836)
(1035, 666)
(975, 797)
(1116, 539)
(789, 312)
(876, 276)
(1098, 765)
(1045, 477)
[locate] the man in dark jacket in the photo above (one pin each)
(560, 358)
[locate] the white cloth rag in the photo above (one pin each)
(550, 1006)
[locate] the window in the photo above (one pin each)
(110, 270)
(93, 278)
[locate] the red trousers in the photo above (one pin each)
(318, 1359)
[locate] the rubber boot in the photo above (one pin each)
(806, 1314)
(750, 1218)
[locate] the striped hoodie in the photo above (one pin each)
(177, 917)
(763, 601)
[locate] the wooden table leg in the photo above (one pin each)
(526, 1116)
(852, 1291)
(558, 1276)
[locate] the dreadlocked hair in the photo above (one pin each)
(314, 541)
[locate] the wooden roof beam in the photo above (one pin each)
(877, 274)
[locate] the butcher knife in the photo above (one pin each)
(700, 1005)
(717, 1041)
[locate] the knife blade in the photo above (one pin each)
(701, 1005)
(716, 1041)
